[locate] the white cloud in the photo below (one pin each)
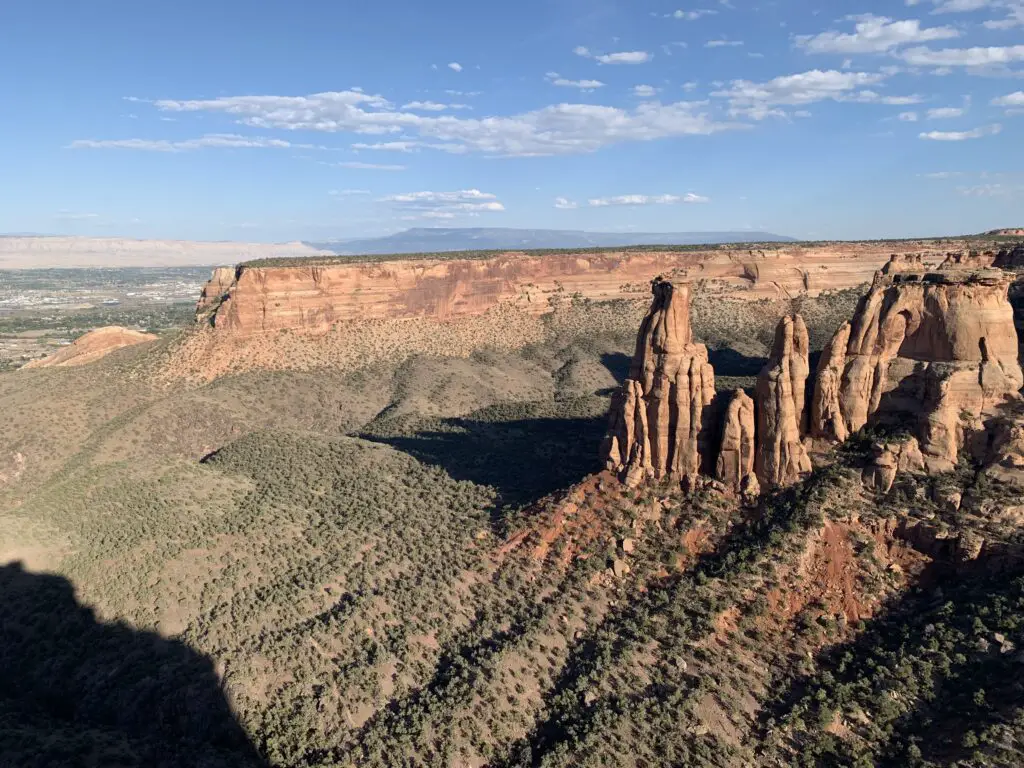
(463, 94)
(355, 165)
(1015, 99)
(961, 6)
(723, 43)
(455, 66)
(873, 97)
(209, 141)
(908, 117)
(623, 57)
(690, 15)
(991, 190)
(760, 100)
(644, 91)
(976, 133)
(565, 204)
(554, 130)
(962, 57)
(73, 216)
(584, 85)
(689, 197)
(1015, 19)
(943, 174)
(445, 205)
(873, 34)
(690, 86)
(390, 146)
(433, 106)
(945, 113)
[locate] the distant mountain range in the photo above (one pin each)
(436, 240)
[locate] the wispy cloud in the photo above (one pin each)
(760, 100)
(723, 43)
(693, 15)
(348, 192)
(603, 202)
(584, 85)
(945, 113)
(455, 66)
(564, 204)
(623, 57)
(873, 34)
(356, 165)
(389, 146)
(1015, 99)
(962, 57)
(432, 106)
(209, 141)
(75, 216)
(444, 205)
(644, 91)
(908, 117)
(554, 130)
(976, 133)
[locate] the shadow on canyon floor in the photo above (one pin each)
(523, 459)
(78, 692)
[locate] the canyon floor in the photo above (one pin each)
(392, 544)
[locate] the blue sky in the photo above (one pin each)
(268, 120)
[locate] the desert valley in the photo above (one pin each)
(695, 505)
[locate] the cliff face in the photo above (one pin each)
(936, 348)
(306, 297)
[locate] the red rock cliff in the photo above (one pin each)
(310, 297)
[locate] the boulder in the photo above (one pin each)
(657, 417)
(890, 459)
(780, 457)
(735, 464)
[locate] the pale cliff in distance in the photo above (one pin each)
(91, 252)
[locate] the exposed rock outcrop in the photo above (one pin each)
(781, 458)
(658, 416)
(890, 459)
(1010, 258)
(933, 351)
(214, 292)
(735, 464)
(313, 295)
(92, 346)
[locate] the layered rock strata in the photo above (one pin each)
(935, 350)
(658, 415)
(314, 295)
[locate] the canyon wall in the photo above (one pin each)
(313, 297)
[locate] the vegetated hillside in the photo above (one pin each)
(407, 560)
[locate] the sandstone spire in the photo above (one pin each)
(781, 458)
(658, 415)
(735, 465)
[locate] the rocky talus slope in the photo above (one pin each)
(928, 354)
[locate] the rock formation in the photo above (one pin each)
(658, 415)
(781, 458)
(1010, 258)
(312, 295)
(735, 464)
(935, 351)
(931, 353)
(92, 346)
(214, 292)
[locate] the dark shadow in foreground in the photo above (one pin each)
(523, 459)
(78, 692)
